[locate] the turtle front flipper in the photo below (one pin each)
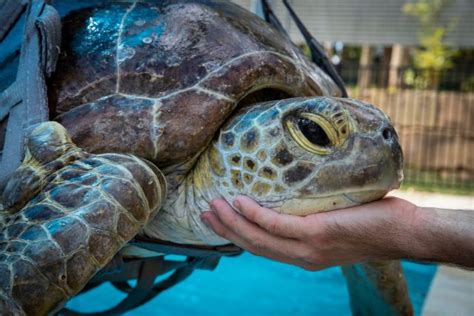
(65, 215)
(377, 288)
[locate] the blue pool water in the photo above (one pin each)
(250, 285)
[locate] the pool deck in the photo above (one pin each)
(452, 289)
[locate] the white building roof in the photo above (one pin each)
(371, 21)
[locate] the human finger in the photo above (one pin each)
(284, 225)
(257, 238)
(211, 219)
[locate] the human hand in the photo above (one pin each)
(377, 230)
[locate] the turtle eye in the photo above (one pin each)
(313, 133)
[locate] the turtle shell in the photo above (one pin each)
(158, 79)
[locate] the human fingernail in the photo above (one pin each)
(205, 220)
(212, 208)
(237, 204)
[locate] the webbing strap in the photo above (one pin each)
(318, 55)
(11, 12)
(145, 271)
(26, 100)
(271, 18)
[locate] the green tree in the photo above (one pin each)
(434, 55)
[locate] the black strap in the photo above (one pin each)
(145, 271)
(167, 247)
(318, 54)
(149, 270)
(271, 17)
(25, 101)
(11, 12)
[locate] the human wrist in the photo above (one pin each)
(377, 231)
(416, 242)
(445, 236)
(402, 235)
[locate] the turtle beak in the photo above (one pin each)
(395, 153)
(376, 168)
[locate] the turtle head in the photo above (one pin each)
(305, 155)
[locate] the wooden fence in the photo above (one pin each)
(436, 131)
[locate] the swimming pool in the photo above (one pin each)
(250, 285)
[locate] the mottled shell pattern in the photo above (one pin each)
(158, 80)
(155, 110)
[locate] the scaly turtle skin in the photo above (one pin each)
(162, 101)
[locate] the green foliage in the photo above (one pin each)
(428, 11)
(418, 80)
(439, 188)
(467, 85)
(433, 181)
(433, 55)
(351, 54)
(436, 55)
(305, 49)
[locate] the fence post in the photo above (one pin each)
(398, 58)
(364, 67)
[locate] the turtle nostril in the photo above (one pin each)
(387, 134)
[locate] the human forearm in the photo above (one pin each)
(445, 236)
(388, 229)
(394, 229)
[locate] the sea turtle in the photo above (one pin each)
(159, 107)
